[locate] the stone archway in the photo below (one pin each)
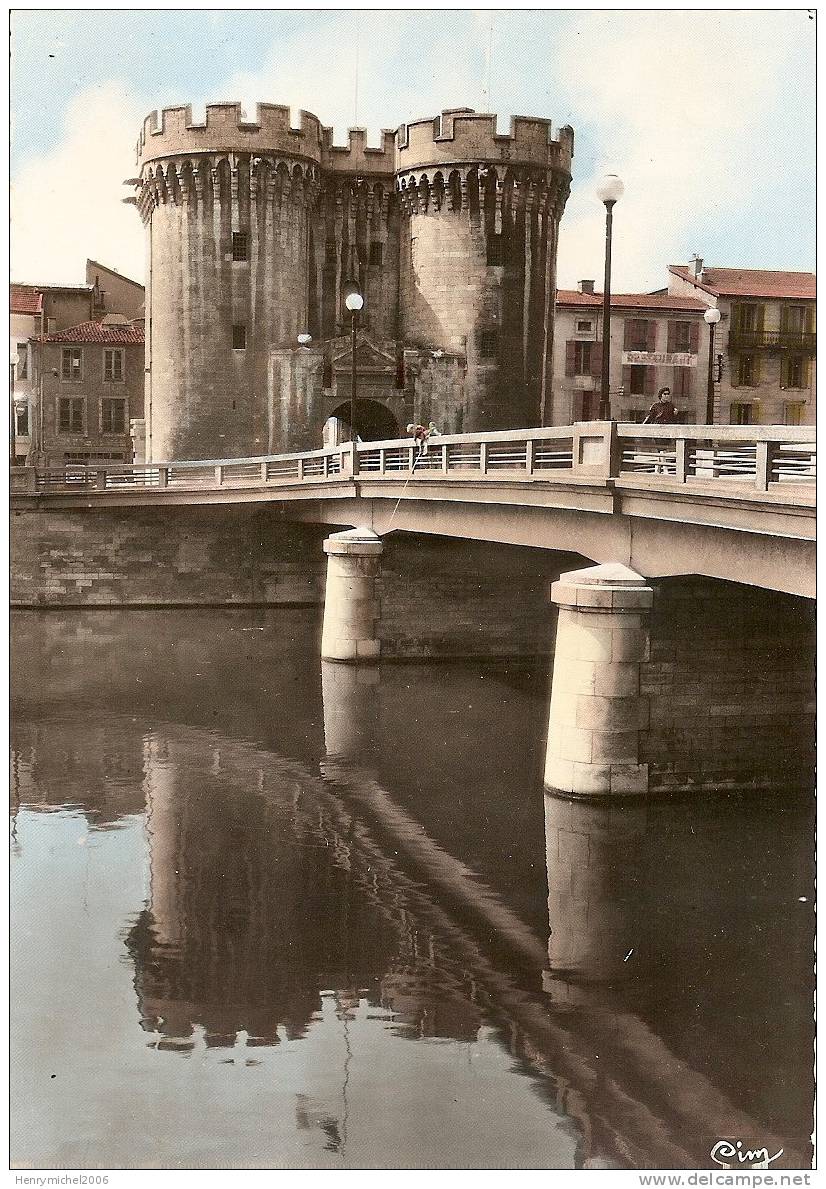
(374, 422)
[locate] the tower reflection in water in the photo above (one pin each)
(259, 902)
(394, 888)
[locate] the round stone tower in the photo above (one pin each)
(252, 228)
(478, 255)
(226, 206)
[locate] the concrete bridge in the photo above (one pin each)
(646, 504)
(729, 502)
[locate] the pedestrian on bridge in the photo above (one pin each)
(662, 412)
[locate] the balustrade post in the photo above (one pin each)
(301, 468)
(529, 455)
(163, 476)
(100, 478)
(219, 476)
(763, 465)
(681, 452)
(31, 479)
(483, 458)
(264, 472)
(355, 452)
(444, 457)
(381, 460)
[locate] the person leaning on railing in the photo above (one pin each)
(662, 412)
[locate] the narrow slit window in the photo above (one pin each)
(239, 245)
(487, 344)
(239, 337)
(376, 252)
(494, 249)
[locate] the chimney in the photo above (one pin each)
(586, 286)
(695, 266)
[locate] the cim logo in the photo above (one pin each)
(726, 1151)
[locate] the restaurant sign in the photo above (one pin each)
(660, 358)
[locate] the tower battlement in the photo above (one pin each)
(173, 132)
(357, 156)
(461, 135)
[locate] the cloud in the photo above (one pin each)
(67, 205)
(688, 109)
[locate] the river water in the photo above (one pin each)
(269, 912)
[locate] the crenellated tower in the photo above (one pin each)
(254, 225)
(478, 253)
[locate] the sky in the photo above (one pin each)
(708, 117)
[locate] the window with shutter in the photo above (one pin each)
(636, 380)
(570, 358)
(113, 366)
(746, 371)
(71, 364)
(650, 336)
(596, 359)
(742, 413)
(795, 371)
(636, 334)
(682, 336)
(112, 415)
(239, 245)
(70, 414)
(22, 361)
(582, 359)
(681, 383)
(694, 337)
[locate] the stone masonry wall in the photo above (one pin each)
(124, 557)
(441, 597)
(730, 684)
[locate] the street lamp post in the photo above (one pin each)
(354, 301)
(13, 428)
(609, 191)
(712, 317)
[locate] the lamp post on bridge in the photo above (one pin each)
(712, 317)
(609, 191)
(354, 301)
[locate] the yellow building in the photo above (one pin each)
(764, 343)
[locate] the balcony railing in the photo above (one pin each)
(772, 340)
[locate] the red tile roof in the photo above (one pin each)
(95, 332)
(25, 299)
(751, 282)
(631, 301)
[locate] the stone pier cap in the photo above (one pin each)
(361, 541)
(611, 587)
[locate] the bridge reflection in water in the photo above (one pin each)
(335, 873)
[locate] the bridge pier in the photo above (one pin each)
(597, 711)
(351, 600)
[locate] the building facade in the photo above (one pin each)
(253, 227)
(765, 342)
(656, 339)
(40, 315)
(90, 386)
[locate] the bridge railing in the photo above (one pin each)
(755, 456)
(733, 458)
